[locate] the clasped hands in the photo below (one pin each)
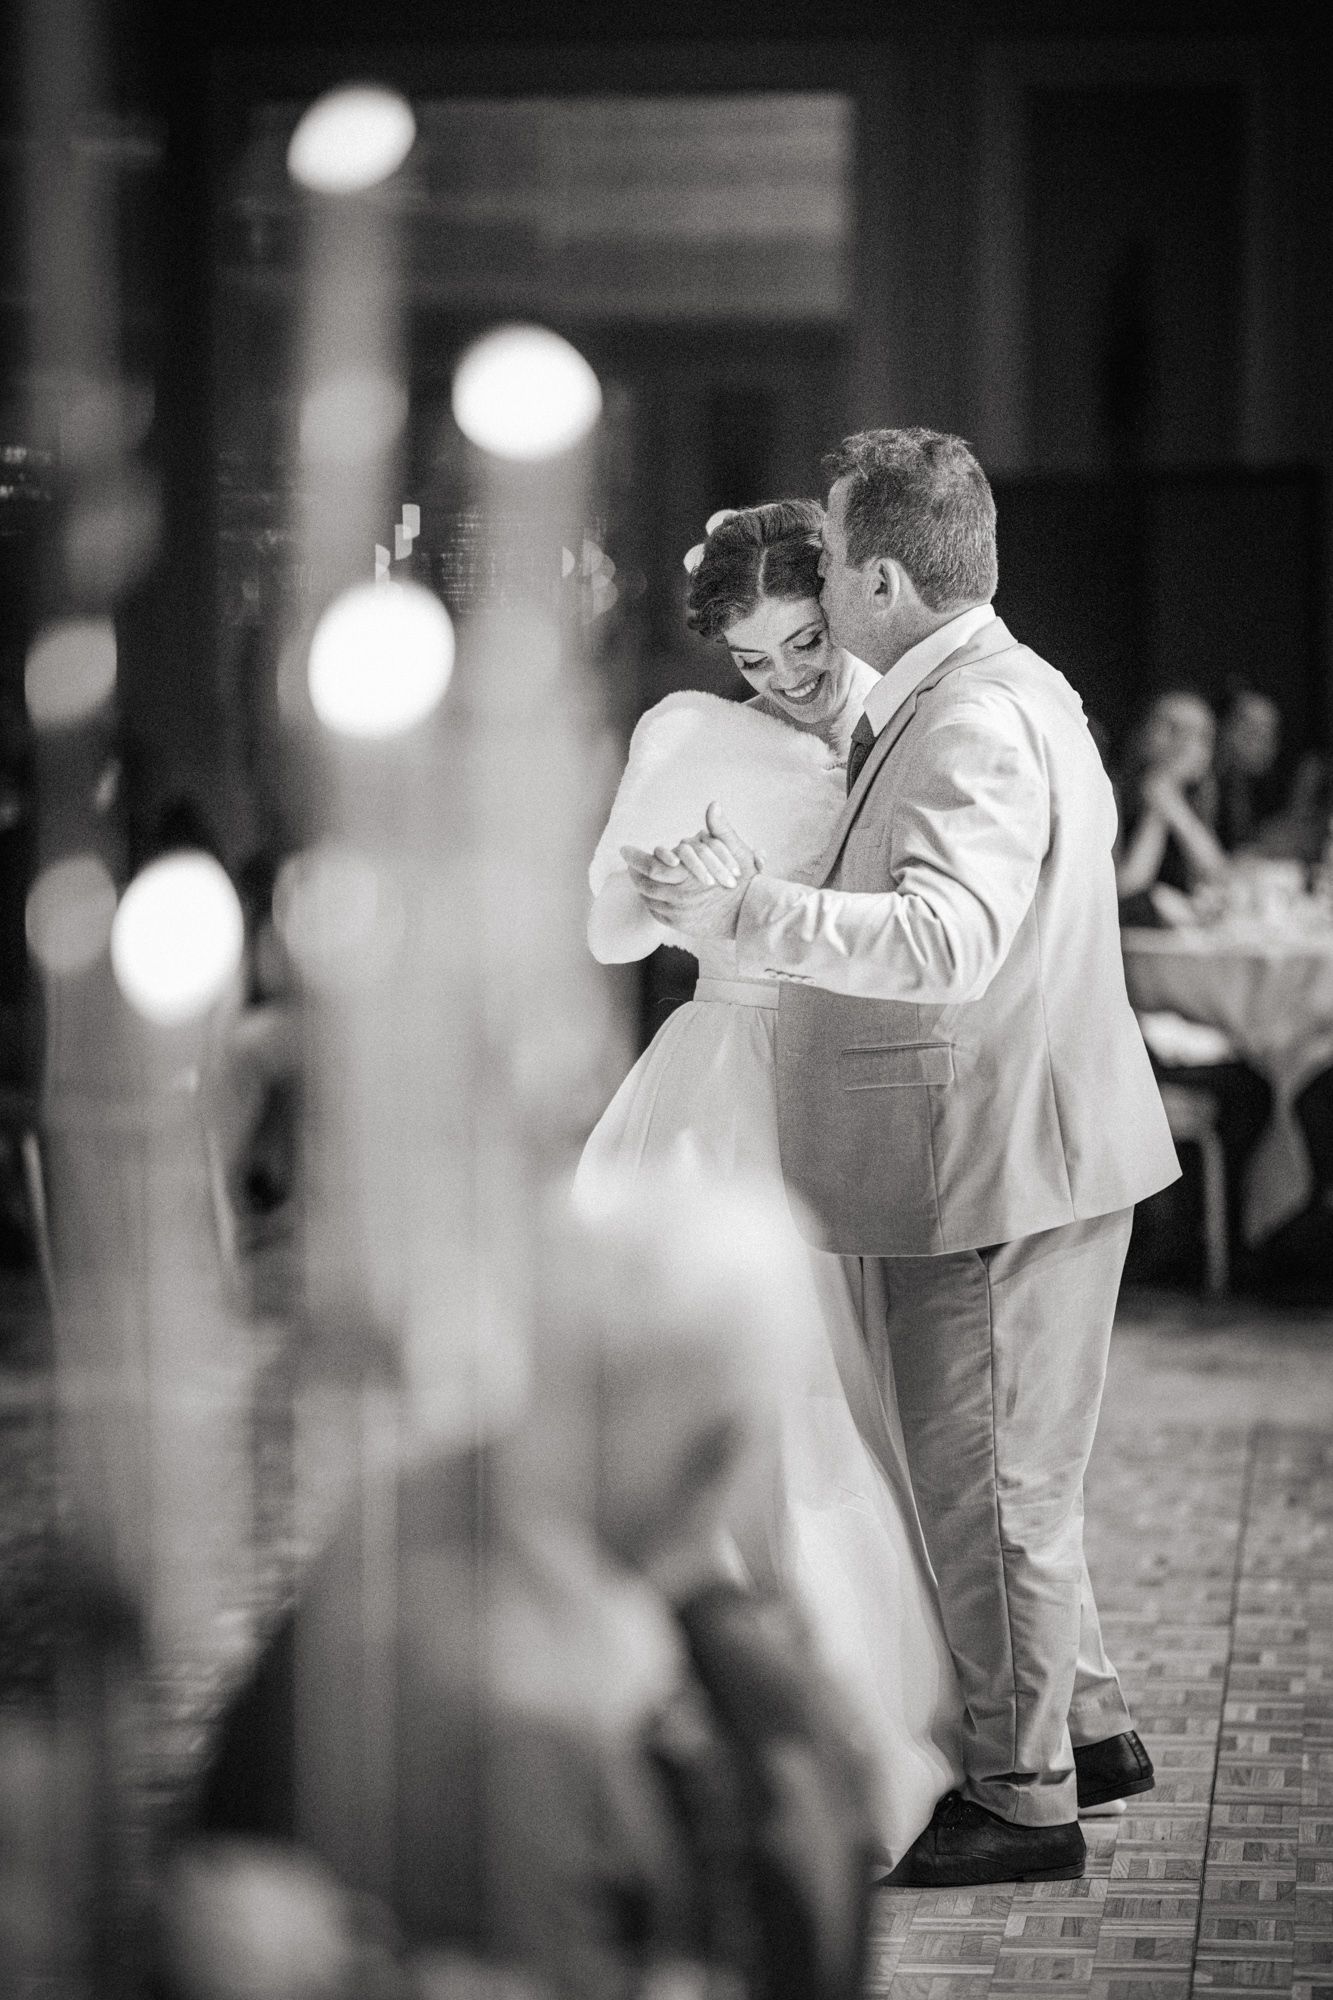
(1164, 793)
(698, 885)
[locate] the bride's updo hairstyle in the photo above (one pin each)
(768, 551)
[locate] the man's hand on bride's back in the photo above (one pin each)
(697, 885)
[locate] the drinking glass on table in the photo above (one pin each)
(1267, 892)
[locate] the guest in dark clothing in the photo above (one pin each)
(1303, 829)
(1297, 830)
(1168, 803)
(1249, 737)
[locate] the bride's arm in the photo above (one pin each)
(620, 927)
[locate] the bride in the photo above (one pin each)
(842, 1532)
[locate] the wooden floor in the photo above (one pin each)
(1210, 1537)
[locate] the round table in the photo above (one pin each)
(1271, 991)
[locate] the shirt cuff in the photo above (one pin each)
(765, 902)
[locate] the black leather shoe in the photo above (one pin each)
(1115, 1768)
(966, 1844)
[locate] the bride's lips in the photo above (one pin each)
(805, 693)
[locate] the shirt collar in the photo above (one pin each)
(892, 689)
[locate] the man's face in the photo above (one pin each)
(843, 591)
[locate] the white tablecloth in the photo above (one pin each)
(1272, 993)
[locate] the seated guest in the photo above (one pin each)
(1249, 736)
(1168, 801)
(1300, 831)
(1167, 794)
(1303, 831)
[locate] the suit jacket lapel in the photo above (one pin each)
(992, 638)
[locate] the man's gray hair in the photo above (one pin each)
(921, 497)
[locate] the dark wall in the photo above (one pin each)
(1090, 236)
(1136, 206)
(1132, 584)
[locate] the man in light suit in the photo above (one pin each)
(966, 1103)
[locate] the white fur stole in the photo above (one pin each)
(781, 787)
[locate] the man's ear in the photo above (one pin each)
(885, 583)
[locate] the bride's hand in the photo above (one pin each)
(683, 886)
(717, 853)
(708, 860)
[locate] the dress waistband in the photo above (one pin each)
(739, 992)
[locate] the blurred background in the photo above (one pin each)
(1094, 244)
(1099, 254)
(1093, 238)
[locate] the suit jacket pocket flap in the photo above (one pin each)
(895, 1066)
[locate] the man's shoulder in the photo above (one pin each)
(1012, 675)
(1011, 697)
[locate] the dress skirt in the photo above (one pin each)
(843, 1533)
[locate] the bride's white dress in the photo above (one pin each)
(703, 1098)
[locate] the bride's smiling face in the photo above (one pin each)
(784, 651)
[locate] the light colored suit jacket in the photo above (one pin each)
(958, 1062)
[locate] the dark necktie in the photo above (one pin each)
(863, 741)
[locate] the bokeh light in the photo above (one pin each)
(99, 420)
(380, 659)
(70, 671)
(339, 914)
(177, 937)
(111, 533)
(350, 417)
(351, 139)
(524, 393)
(69, 912)
(242, 1920)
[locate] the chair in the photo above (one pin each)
(19, 1119)
(1192, 1113)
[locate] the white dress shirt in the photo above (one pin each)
(892, 689)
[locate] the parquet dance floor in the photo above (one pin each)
(1210, 1537)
